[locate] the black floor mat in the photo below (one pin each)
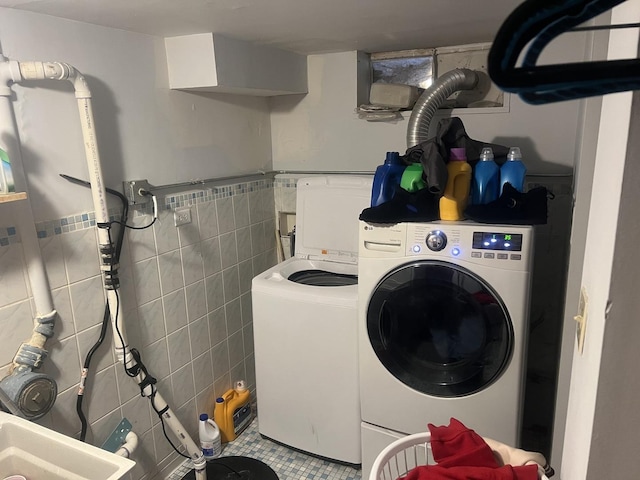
(236, 468)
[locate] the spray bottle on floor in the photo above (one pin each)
(233, 411)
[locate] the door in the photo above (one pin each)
(439, 328)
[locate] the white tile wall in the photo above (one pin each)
(80, 253)
(226, 218)
(186, 296)
(13, 287)
(208, 218)
(211, 255)
(87, 302)
(215, 295)
(175, 310)
(196, 300)
(147, 279)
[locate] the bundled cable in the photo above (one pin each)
(106, 316)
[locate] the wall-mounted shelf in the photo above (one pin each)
(12, 197)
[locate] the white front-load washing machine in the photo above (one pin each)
(305, 325)
(443, 321)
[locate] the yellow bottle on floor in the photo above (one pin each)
(233, 411)
(456, 193)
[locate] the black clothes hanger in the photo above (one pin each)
(536, 23)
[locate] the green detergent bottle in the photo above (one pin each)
(411, 179)
(6, 176)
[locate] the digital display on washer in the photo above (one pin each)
(497, 241)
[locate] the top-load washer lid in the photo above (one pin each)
(327, 212)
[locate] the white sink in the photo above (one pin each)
(39, 453)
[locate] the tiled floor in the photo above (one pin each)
(288, 464)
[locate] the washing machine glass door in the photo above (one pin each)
(439, 328)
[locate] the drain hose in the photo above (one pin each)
(428, 103)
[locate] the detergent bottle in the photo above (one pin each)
(513, 171)
(485, 186)
(209, 434)
(411, 179)
(6, 175)
(233, 411)
(386, 179)
(456, 192)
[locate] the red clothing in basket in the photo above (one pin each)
(462, 454)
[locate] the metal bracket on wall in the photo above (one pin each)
(134, 191)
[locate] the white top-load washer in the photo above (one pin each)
(305, 325)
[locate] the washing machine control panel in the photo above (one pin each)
(502, 246)
(506, 246)
(436, 240)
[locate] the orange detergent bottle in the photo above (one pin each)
(233, 412)
(456, 193)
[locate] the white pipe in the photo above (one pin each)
(199, 462)
(115, 306)
(63, 71)
(22, 210)
(129, 446)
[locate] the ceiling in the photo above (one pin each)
(302, 26)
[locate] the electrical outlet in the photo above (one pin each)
(581, 318)
(182, 216)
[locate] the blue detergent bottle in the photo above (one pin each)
(485, 186)
(386, 179)
(513, 170)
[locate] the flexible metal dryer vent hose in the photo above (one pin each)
(428, 103)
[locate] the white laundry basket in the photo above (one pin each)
(403, 455)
